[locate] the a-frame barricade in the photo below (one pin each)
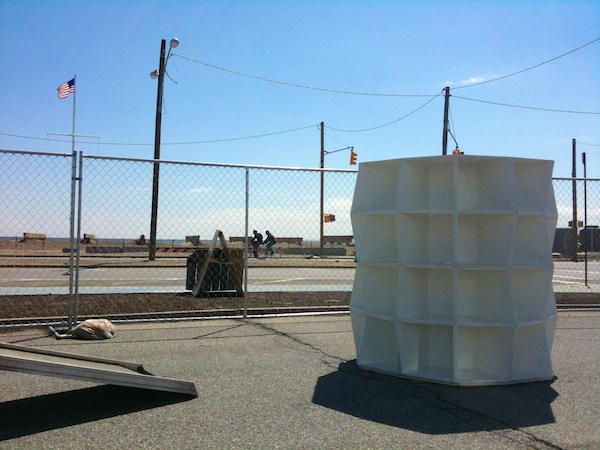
(215, 270)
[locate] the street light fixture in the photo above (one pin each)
(160, 74)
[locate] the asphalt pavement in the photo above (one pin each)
(292, 383)
(282, 275)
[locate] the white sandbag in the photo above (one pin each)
(92, 329)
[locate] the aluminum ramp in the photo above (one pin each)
(36, 361)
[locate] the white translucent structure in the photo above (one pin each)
(454, 276)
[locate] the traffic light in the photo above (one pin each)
(353, 156)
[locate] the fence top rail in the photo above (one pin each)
(29, 152)
(576, 179)
(239, 166)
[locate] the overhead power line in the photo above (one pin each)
(34, 138)
(526, 107)
(269, 80)
(241, 138)
(433, 96)
(389, 123)
(166, 143)
(529, 68)
(337, 91)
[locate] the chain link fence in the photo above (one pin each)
(577, 238)
(35, 205)
(75, 238)
(203, 254)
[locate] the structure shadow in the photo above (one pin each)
(433, 408)
(32, 415)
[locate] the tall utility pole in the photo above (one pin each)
(322, 202)
(156, 172)
(322, 165)
(445, 133)
(160, 74)
(574, 223)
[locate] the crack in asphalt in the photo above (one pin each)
(420, 391)
(324, 355)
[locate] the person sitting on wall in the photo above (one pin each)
(141, 240)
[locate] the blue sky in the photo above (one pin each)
(413, 48)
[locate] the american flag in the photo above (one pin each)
(66, 88)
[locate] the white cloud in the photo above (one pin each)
(473, 80)
(468, 81)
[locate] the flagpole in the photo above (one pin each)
(74, 97)
(74, 236)
(72, 299)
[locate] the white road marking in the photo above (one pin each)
(283, 280)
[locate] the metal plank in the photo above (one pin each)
(37, 361)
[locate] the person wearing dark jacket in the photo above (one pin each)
(270, 241)
(257, 239)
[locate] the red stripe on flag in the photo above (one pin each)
(66, 88)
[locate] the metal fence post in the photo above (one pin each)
(246, 231)
(199, 198)
(72, 299)
(78, 245)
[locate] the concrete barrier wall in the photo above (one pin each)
(280, 240)
(38, 236)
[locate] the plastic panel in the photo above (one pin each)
(379, 238)
(484, 354)
(378, 183)
(532, 352)
(425, 295)
(378, 349)
(481, 297)
(533, 181)
(424, 238)
(485, 184)
(379, 287)
(532, 246)
(426, 351)
(425, 186)
(533, 292)
(454, 272)
(484, 239)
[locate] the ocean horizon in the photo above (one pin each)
(131, 239)
(117, 239)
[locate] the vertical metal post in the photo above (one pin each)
(246, 232)
(157, 135)
(445, 133)
(78, 253)
(574, 223)
(72, 318)
(322, 212)
(585, 224)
